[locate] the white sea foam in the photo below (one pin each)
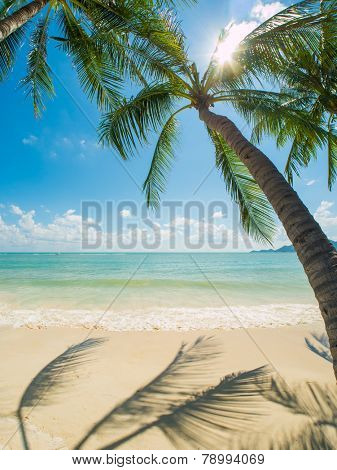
(273, 315)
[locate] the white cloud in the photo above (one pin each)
(324, 216)
(311, 182)
(238, 31)
(16, 210)
(64, 232)
(27, 220)
(182, 221)
(263, 11)
(29, 140)
(125, 213)
(217, 215)
(2, 206)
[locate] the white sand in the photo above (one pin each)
(126, 362)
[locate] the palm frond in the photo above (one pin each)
(162, 159)
(303, 150)
(284, 115)
(96, 72)
(207, 419)
(131, 121)
(184, 376)
(10, 45)
(332, 154)
(295, 28)
(272, 112)
(153, 24)
(137, 57)
(38, 82)
(174, 3)
(8, 49)
(255, 210)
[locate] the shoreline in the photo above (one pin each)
(226, 317)
(123, 364)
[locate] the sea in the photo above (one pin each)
(154, 291)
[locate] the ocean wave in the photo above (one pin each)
(183, 319)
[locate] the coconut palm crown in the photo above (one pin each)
(156, 107)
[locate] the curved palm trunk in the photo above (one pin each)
(12, 22)
(316, 253)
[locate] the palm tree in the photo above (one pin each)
(249, 175)
(107, 41)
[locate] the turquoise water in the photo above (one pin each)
(74, 289)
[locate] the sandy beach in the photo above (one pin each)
(123, 364)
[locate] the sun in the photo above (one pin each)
(224, 52)
(234, 34)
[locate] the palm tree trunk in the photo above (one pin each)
(14, 21)
(316, 253)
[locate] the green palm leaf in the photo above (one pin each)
(38, 82)
(332, 154)
(174, 3)
(10, 45)
(130, 122)
(296, 28)
(137, 58)
(97, 76)
(304, 148)
(163, 157)
(256, 212)
(155, 25)
(8, 49)
(285, 116)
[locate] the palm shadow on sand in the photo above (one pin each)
(190, 415)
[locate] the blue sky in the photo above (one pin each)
(50, 165)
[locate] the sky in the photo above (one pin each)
(51, 165)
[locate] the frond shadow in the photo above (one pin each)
(190, 414)
(315, 428)
(203, 420)
(319, 344)
(185, 375)
(178, 403)
(50, 381)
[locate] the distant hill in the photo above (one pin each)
(285, 249)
